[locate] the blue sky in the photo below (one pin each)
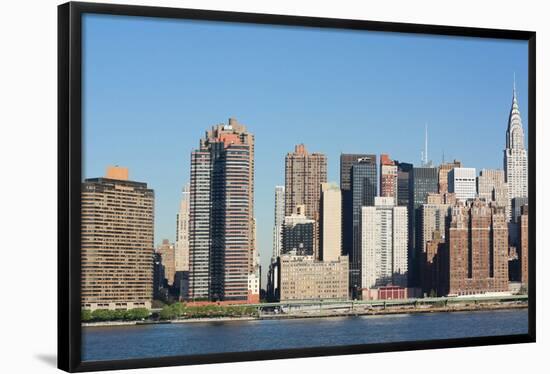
(151, 87)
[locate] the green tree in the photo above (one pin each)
(103, 315)
(86, 315)
(137, 314)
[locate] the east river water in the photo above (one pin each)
(123, 342)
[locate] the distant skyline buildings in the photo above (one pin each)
(364, 183)
(167, 253)
(452, 250)
(330, 224)
(388, 177)
(279, 218)
(182, 232)
(304, 173)
(299, 233)
(342, 119)
(462, 182)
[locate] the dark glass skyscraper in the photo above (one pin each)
(422, 181)
(403, 175)
(346, 162)
(364, 184)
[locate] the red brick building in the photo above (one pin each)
(475, 259)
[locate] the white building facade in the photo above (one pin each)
(462, 182)
(279, 220)
(182, 232)
(384, 237)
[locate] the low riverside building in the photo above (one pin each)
(305, 278)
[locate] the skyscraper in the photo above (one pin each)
(383, 244)
(346, 162)
(462, 182)
(116, 242)
(491, 187)
(363, 190)
(182, 232)
(515, 154)
(304, 173)
(404, 171)
(221, 220)
(330, 222)
(279, 215)
(422, 181)
(298, 233)
(167, 253)
(388, 177)
(524, 244)
(444, 170)
(477, 249)
(433, 216)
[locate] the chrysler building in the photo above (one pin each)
(515, 154)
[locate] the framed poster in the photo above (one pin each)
(238, 186)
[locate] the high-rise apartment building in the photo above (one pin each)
(221, 219)
(444, 170)
(364, 183)
(516, 204)
(279, 215)
(116, 242)
(298, 233)
(462, 182)
(383, 244)
(182, 232)
(491, 187)
(330, 224)
(515, 154)
(304, 173)
(199, 224)
(388, 177)
(167, 253)
(477, 250)
(433, 217)
(524, 244)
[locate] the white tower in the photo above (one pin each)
(515, 154)
(279, 220)
(182, 232)
(383, 244)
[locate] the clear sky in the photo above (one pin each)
(153, 86)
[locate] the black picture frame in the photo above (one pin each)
(70, 173)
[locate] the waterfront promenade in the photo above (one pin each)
(343, 308)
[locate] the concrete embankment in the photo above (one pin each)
(327, 313)
(397, 310)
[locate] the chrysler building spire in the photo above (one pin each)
(515, 155)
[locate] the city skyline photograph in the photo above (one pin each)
(253, 187)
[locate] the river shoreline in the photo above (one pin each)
(478, 307)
